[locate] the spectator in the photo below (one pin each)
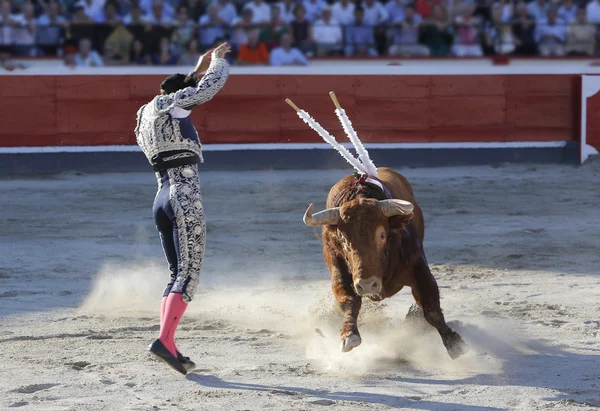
(227, 11)
(212, 26)
(499, 38)
(313, 9)
(147, 7)
(91, 8)
(286, 55)
(24, 37)
(593, 11)
(568, 11)
(52, 16)
(135, 17)
(508, 10)
(287, 10)
(8, 22)
(374, 13)
(196, 8)
(86, 57)
(164, 56)
(467, 42)
(158, 15)
(191, 54)
(242, 27)
(109, 15)
(454, 8)
(538, 9)
(302, 31)
(271, 34)
(124, 7)
(110, 56)
(551, 35)
(343, 12)
(79, 16)
(261, 12)
(185, 29)
(436, 32)
(581, 36)
(253, 53)
(70, 56)
(425, 7)
(524, 31)
(138, 55)
(405, 41)
(327, 33)
(395, 10)
(360, 38)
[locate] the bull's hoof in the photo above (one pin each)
(455, 345)
(350, 342)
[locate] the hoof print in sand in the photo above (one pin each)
(79, 365)
(30, 389)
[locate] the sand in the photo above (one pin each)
(515, 250)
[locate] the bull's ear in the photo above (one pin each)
(400, 221)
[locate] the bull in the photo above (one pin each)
(372, 233)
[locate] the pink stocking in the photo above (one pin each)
(174, 309)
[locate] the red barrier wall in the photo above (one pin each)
(97, 110)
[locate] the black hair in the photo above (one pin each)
(177, 82)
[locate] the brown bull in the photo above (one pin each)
(373, 247)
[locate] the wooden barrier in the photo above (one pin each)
(100, 110)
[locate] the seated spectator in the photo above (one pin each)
(158, 15)
(551, 35)
(138, 55)
(313, 9)
(286, 55)
(374, 12)
(593, 11)
(70, 56)
(261, 12)
(498, 36)
(342, 11)
(508, 10)
(568, 11)
(110, 57)
(242, 27)
(5, 62)
(253, 53)
(52, 16)
(466, 41)
(24, 34)
(524, 30)
(581, 35)
(80, 16)
(109, 15)
(395, 10)
(86, 57)
(271, 34)
(91, 8)
(196, 8)
(538, 9)
(190, 54)
(436, 34)
(135, 17)
(454, 8)
(425, 7)
(406, 35)
(287, 8)
(227, 11)
(327, 33)
(120, 40)
(360, 37)
(147, 6)
(185, 29)
(302, 31)
(164, 56)
(212, 26)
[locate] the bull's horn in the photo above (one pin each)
(330, 216)
(394, 207)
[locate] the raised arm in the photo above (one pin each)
(208, 86)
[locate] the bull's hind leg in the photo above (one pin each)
(427, 295)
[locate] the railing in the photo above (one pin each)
(427, 39)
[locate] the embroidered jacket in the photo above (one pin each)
(164, 124)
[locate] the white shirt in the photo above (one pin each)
(281, 57)
(93, 8)
(327, 33)
(559, 29)
(7, 31)
(22, 35)
(375, 14)
(261, 13)
(343, 14)
(313, 9)
(286, 15)
(593, 12)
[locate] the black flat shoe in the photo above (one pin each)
(186, 362)
(157, 348)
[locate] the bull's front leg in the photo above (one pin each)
(427, 296)
(349, 303)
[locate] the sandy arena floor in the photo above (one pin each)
(515, 250)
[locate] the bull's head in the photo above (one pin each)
(363, 228)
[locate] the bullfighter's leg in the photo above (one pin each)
(349, 303)
(427, 296)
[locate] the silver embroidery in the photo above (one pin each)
(156, 131)
(186, 201)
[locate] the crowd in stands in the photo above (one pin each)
(289, 32)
